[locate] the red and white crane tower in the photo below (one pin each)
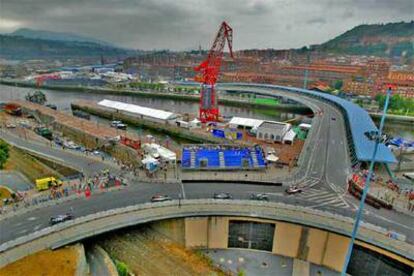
(209, 70)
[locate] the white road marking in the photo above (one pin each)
(182, 190)
(37, 227)
(23, 231)
(32, 218)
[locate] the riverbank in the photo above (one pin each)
(224, 100)
(404, 120)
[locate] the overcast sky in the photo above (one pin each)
(185, 24)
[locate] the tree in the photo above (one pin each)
(4, 153)
(338, 84)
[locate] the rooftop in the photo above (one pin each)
(137, 109)
(274, 125)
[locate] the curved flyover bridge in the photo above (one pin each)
(330, 151)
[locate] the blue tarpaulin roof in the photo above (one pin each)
(359, 123)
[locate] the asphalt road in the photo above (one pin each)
(79, 161)
(323, 175)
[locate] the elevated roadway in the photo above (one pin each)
(324, 166)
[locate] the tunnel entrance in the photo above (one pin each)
(251, 235)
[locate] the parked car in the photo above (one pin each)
(52, 106)
(60, 218)
(118, 125)
(222, 196)
(10, 125)
(160, 198)
(260, 196)
(293, 190)
(71, 145)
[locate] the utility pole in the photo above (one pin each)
(367, 184)
(305, 79)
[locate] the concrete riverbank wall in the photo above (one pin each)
(174, 131)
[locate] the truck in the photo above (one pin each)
(47, 182)
(13, 109)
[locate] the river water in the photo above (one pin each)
(63, 99)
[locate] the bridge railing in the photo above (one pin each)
(90, 225)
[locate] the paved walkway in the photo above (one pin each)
(264, 263)
(14, 181)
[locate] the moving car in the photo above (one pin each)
(293, 190)
(222, 196)
(261, 196)
(60, 218)
(160, 198)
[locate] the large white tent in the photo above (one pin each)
(139, 110)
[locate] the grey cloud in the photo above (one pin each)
(316, 20)
(162, 24)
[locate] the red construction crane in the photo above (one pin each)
(210, 69)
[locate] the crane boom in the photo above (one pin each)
(209, 70)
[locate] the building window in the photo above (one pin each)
(266, 136)
(260, 135)
(272, 137)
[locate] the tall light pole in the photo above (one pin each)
(305, 79)
(367, 184)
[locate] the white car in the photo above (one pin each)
(160, 198)
(293, 190)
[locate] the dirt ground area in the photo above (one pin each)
(62, 262)
(149, 253)
(4, 193)
(286, 153)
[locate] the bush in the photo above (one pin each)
(4, 153)
(122, 268)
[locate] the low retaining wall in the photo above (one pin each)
(94, 224)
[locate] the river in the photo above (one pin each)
(63, 99)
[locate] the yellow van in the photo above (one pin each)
(47, 182)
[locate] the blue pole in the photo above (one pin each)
(366, 188)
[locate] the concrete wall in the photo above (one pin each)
(174, 229)
(335, 251)
(308, 244)
(286, 239)
(218, 232)
(316, 245)
(121, 152)
(196, 230)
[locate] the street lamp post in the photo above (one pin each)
(367, 184)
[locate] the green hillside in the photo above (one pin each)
(20, 48)
(391, 39)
